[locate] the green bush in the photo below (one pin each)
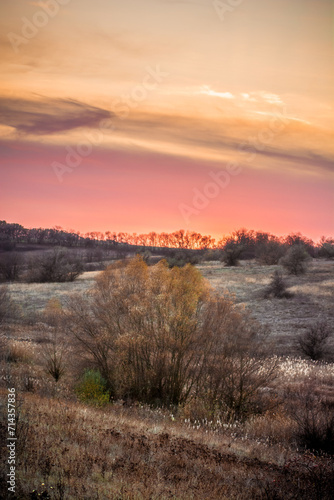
(93, 389)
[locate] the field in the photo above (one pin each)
(69, 450)
(312, 296)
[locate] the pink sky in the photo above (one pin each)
(158, 97)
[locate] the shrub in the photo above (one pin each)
(232, 253)
(93, 389)
(295, 259)
(315, 421)
(326, 248)
(53, 356)
(56, 266)
(145, 254)
(270, 252)
(237, 368)
(161, 335)
(10, 266)
(313, 343)
(277, 287)
(211, 255)
(180, 258)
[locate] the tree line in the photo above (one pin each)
(241, 243)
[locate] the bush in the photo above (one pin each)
(55, 267)
(237, 368)
(314, 416)
(53, 355)
(180, 258)
(313, 343)
(10, 266)
(232, 253)
(277, 287)
(326, 249)
(295, 259)
(93, 389)
(161, 335)
(270, 252)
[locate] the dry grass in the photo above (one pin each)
(33, 297)
(286, 318)
(70, 451)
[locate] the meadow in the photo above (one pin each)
(68, 448)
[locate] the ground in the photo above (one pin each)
(312, 296)
(70, 450)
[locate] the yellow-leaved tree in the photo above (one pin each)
(163, 335)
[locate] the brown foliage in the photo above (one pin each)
(162, 335)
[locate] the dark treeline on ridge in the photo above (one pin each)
(13, 234)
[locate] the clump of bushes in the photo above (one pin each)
(295, 260)
(56, 266)
(314, 417)
(161, 335)
(93, 389)
(270, 252)
(180, 258)
(10, 266)
(326, 248)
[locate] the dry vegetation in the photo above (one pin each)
(130, 450)
(312, 296)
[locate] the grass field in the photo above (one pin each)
(313, 295)
(70, 450)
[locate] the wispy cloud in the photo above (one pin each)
(205, 89)
(298, 143)
(49, 116)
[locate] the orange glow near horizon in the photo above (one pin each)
(118, 116)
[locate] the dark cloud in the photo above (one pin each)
(49, 116)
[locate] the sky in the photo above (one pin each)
(157, 115)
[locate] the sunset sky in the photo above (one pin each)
(156, 115)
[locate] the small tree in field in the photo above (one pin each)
(277, 287)
(57, 266)
(295, 260)
(314, 341)
(231, 253)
